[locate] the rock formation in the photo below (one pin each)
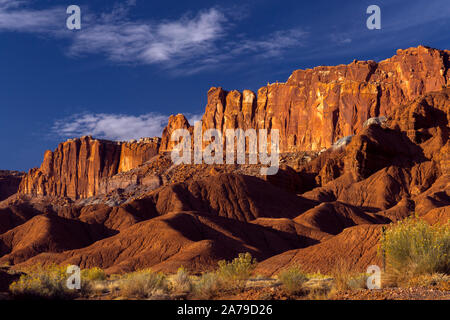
(316, 107)
(312, 110)
(76, 168)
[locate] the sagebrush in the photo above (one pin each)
(143, 284)
(237, 271)
(293, 279)
(412, 247)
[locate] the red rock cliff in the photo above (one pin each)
(76, 167)
(316, 107)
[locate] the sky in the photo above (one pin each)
(135, 62)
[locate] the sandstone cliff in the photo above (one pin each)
(76, 168)
(316, 107)
(312, 110)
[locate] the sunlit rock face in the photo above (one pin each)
(312, 110)
(316, 107)
(76, 168)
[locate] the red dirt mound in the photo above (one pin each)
(239, 197)
(185, 238)
(46, 233)
(333, 217)
(355, 246)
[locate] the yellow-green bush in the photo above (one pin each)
(237, 271)
(207, 286)
(413, 247)
(41, 282)
(93, 274)
(143, 284)
(292, 279)
(90, 281)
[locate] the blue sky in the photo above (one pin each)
(133, 63)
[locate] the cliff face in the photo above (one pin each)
(178, 121)
(76, 168)
(312, 110)
(316, 107)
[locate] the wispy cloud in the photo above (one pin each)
(272, 44)
(122, 40)
(15, 15)
(118, 127)
(340, 38)
(193, 42)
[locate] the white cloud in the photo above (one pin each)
(193, 118)
(272, 44)
(118, 127)
(189, 44)
(16, 16)
(146, 42)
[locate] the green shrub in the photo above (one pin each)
(292, 279)
(41, 282)
(142, 284)
(413, 247)
(92, 281)
(236, 272)
(93, 274)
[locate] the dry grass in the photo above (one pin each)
(344, 279)
(143, 284)
(436, 280)
(181, 282)
(292, 280)
(207, 286)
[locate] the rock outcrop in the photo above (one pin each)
(178, 121)
(313, 109)
(316, 107)
(76, 168)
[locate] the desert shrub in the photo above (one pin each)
(142, 284)
(182, 281)
(436, 280)
(93, 274)
(357, 281)
(317, 275)
(345, 279)
(207, 286)
(412, 247)
(292, 279)
(236, 272)
(41, 282)
(91, 280)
